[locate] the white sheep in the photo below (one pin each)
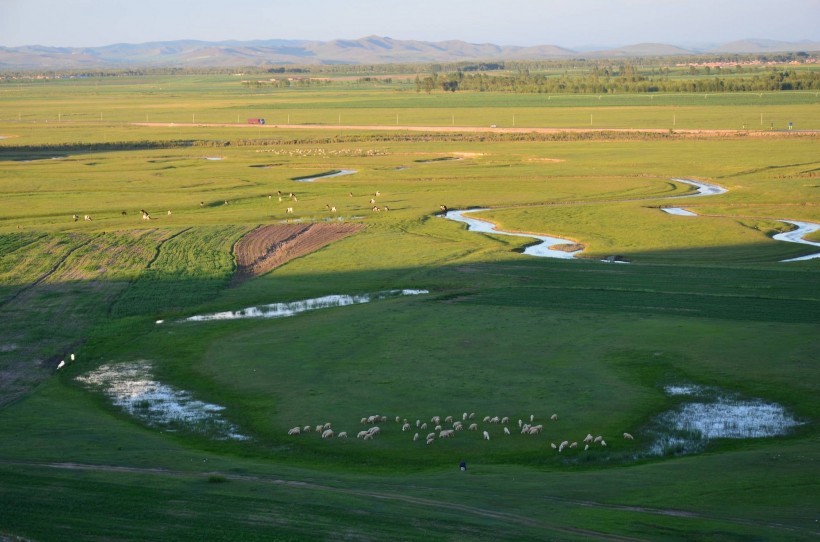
(361, 434)
(61, 364)
(448, 419)
(603, 442)
(627, 436)
(446, 433)
(586, 447)
(320, 428)
(342, 434)
(289, 210)
(423, 426)
(505, 419)
(72, 358)
(435, 419)
(405, 427)
(458, 426)
(562, 446)
(430, 440)
(418, 423)
(486, 436)
(535, 429)
(525, 429)
(327, 433)
(368, 436)
(553, 446)
(437, 428)
(306, 429)
(506, 431)
(588, 438)
(473, 427)
(374, 430)
(464, 417)
(398, 419)
(573, 445)
(494, 419)
(472, 415)
(486, 419)
(554, 417)
(431, 436)
(295, 431)
(415, 437)
(520, 423)
(597, 439)
(326, 426)
(532, 418)
(364, 421)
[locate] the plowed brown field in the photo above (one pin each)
(272, 245)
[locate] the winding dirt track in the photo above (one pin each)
(487, 129)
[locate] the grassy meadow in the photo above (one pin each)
(706, 301)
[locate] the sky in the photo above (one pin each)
(566, 23)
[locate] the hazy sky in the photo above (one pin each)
(568, 23)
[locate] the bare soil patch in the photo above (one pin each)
(272, 245)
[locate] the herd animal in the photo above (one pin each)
(448, 426)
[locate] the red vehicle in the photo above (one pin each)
(256, 121)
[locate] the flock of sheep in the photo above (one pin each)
(448, 427)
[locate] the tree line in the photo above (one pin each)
(625, 79)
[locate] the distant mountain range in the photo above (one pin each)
(368, 50)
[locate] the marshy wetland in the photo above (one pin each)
(187, 378)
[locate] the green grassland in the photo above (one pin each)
(705, 301)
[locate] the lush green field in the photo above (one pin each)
(706, 301)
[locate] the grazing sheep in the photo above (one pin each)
(377, 194)
(588, 438)
(603, 442)
(320, 428)
(361, 434)
(520, 422)
(573, 445)
(562, 446)
(553, 446)
(430, 440)
(289, 210)
(363, 421)
(447, 433)
(398, 418)
(374, 430)
(627, 436)
(486, 436)
(326, 426)
(472, 415)
(169, 212)
(505, 419)
(535, 429)
(405, 427)
(376, 209)
(373, 419)
(415, 437)
(436, 419)
(506, 431)
(368, 436)
(342, 434)
(72, 358)
(443, 208)
(494, 419)
(423, 426)
(586, 447)
(437, 428)
(327, 433)
(88, 218)
(386, 208)
(372, 201)
(418, 423)
(383, 418)
(76, 218)
(597, 439)
(448, 419)
(295, 431)
(486, 419)
(525, 429)
(554, 417)
(350, 194)
(333, 209)
(473, 427)
(202, 204)
(431, 436)
(457, 426)
(532, 418)
(464, 417)
(306, 429)
(61, 365)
